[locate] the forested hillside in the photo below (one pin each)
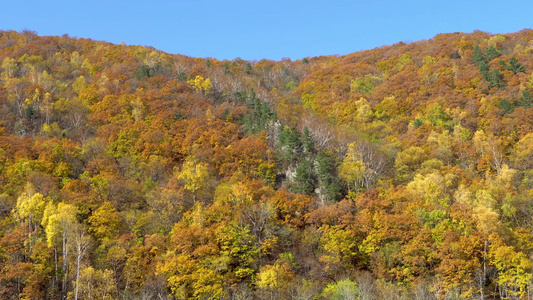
(402, 172)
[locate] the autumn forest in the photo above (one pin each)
(401, 172)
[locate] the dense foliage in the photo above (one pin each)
(402, 172)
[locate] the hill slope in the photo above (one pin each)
(402, 171)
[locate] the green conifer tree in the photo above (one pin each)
(492, 53)
(477, 56)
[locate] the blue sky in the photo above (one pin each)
(253, 30)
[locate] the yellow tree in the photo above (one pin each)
(30, 207)
(275, 278)
(340, 246)
(96, 284)
(524, 151)
(201, 84)
(514, 269)
(408, 162)
(352, 168)
(57, 221)
(105, 222)
(195, 175)
(362, 165)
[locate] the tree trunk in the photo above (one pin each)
(78, 271)
(64, 265)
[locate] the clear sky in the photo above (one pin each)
(226, 29)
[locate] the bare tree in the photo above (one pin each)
(321, 131)
(374, 161)
(81, 243)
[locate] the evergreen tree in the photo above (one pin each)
(226, 68)
(417, 123)
(492, 53)
(260, 113)
(307, 141)
(325, 169)
(477, 56)
(506, 107)
(240, 96)
(494, 78)
(525, 101)
(304, 178)
(484, 70)
(515, 66)
(289, 137)
(290, 145)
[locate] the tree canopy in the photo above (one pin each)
(399, 172)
